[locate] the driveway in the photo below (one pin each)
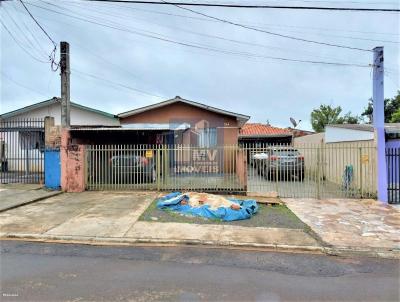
(88, 214)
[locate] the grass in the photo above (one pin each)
(278, 216)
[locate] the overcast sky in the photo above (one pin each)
(232, 73)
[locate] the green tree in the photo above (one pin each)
(392, 107)
(395, 117)
(326, 114)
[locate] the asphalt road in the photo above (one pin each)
(57, 272)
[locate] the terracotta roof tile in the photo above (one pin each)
(258, 129)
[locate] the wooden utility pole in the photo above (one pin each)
(379, 123)
(65, 85)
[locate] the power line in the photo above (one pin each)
(21, 85)
(252, 6)
(38, 52)
(38, 24)
(275, 25)
(116, 83)
(54, 65)
(20, 45)
(269, 32)
(199, 46)
(222, 38)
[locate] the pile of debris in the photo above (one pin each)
(208, 206)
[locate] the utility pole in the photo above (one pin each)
(378, 118)
(65, 85)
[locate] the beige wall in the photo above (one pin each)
(328, 161)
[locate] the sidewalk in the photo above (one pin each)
(339, 227)
(112, 218)
(15, 195)
(351, 225)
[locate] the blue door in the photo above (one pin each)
(52, 169)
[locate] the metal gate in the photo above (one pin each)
(166, 167)
(22, 150)
(337, 170)
(393, 173)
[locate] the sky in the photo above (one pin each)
(125, 56)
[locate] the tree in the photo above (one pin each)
(395, 117)
(392, 106)
(326, 114)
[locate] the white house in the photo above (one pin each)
(80, 115)
(22, 134)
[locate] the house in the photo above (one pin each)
(22, 134)
(257, 133)
(352, 133)
(80, 115)
(175, 121)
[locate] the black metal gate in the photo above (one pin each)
(22, 150)
(393, 169)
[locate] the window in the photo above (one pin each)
(207, 137)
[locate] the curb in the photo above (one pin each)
(115, 241)
(120, 241)
(354, 251)
(30, 201)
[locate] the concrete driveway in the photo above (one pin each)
(89, 214)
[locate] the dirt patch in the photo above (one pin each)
(277, 216)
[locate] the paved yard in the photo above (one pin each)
(13, 195)
(351, 222)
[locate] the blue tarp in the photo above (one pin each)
(173, 200)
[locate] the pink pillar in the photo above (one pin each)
(72, 164)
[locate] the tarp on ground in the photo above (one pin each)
(181, 203)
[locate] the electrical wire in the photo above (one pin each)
(200, 46)
(269, 32)
(54, 65)
(116, 83)
(251, 6)
(271, 25)
(20, 45)
(108, 13)
(32, 46)
(21, 85)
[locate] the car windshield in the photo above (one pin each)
(286, 153)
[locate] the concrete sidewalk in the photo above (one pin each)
(338, 226)
(351, 225)
(112, 218)
(15, 195)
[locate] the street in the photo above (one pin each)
(69, 272)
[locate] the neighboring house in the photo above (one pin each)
(257, 133)
(80, 115)
(352, 133)
(22, 137)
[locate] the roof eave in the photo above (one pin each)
(241, 118)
